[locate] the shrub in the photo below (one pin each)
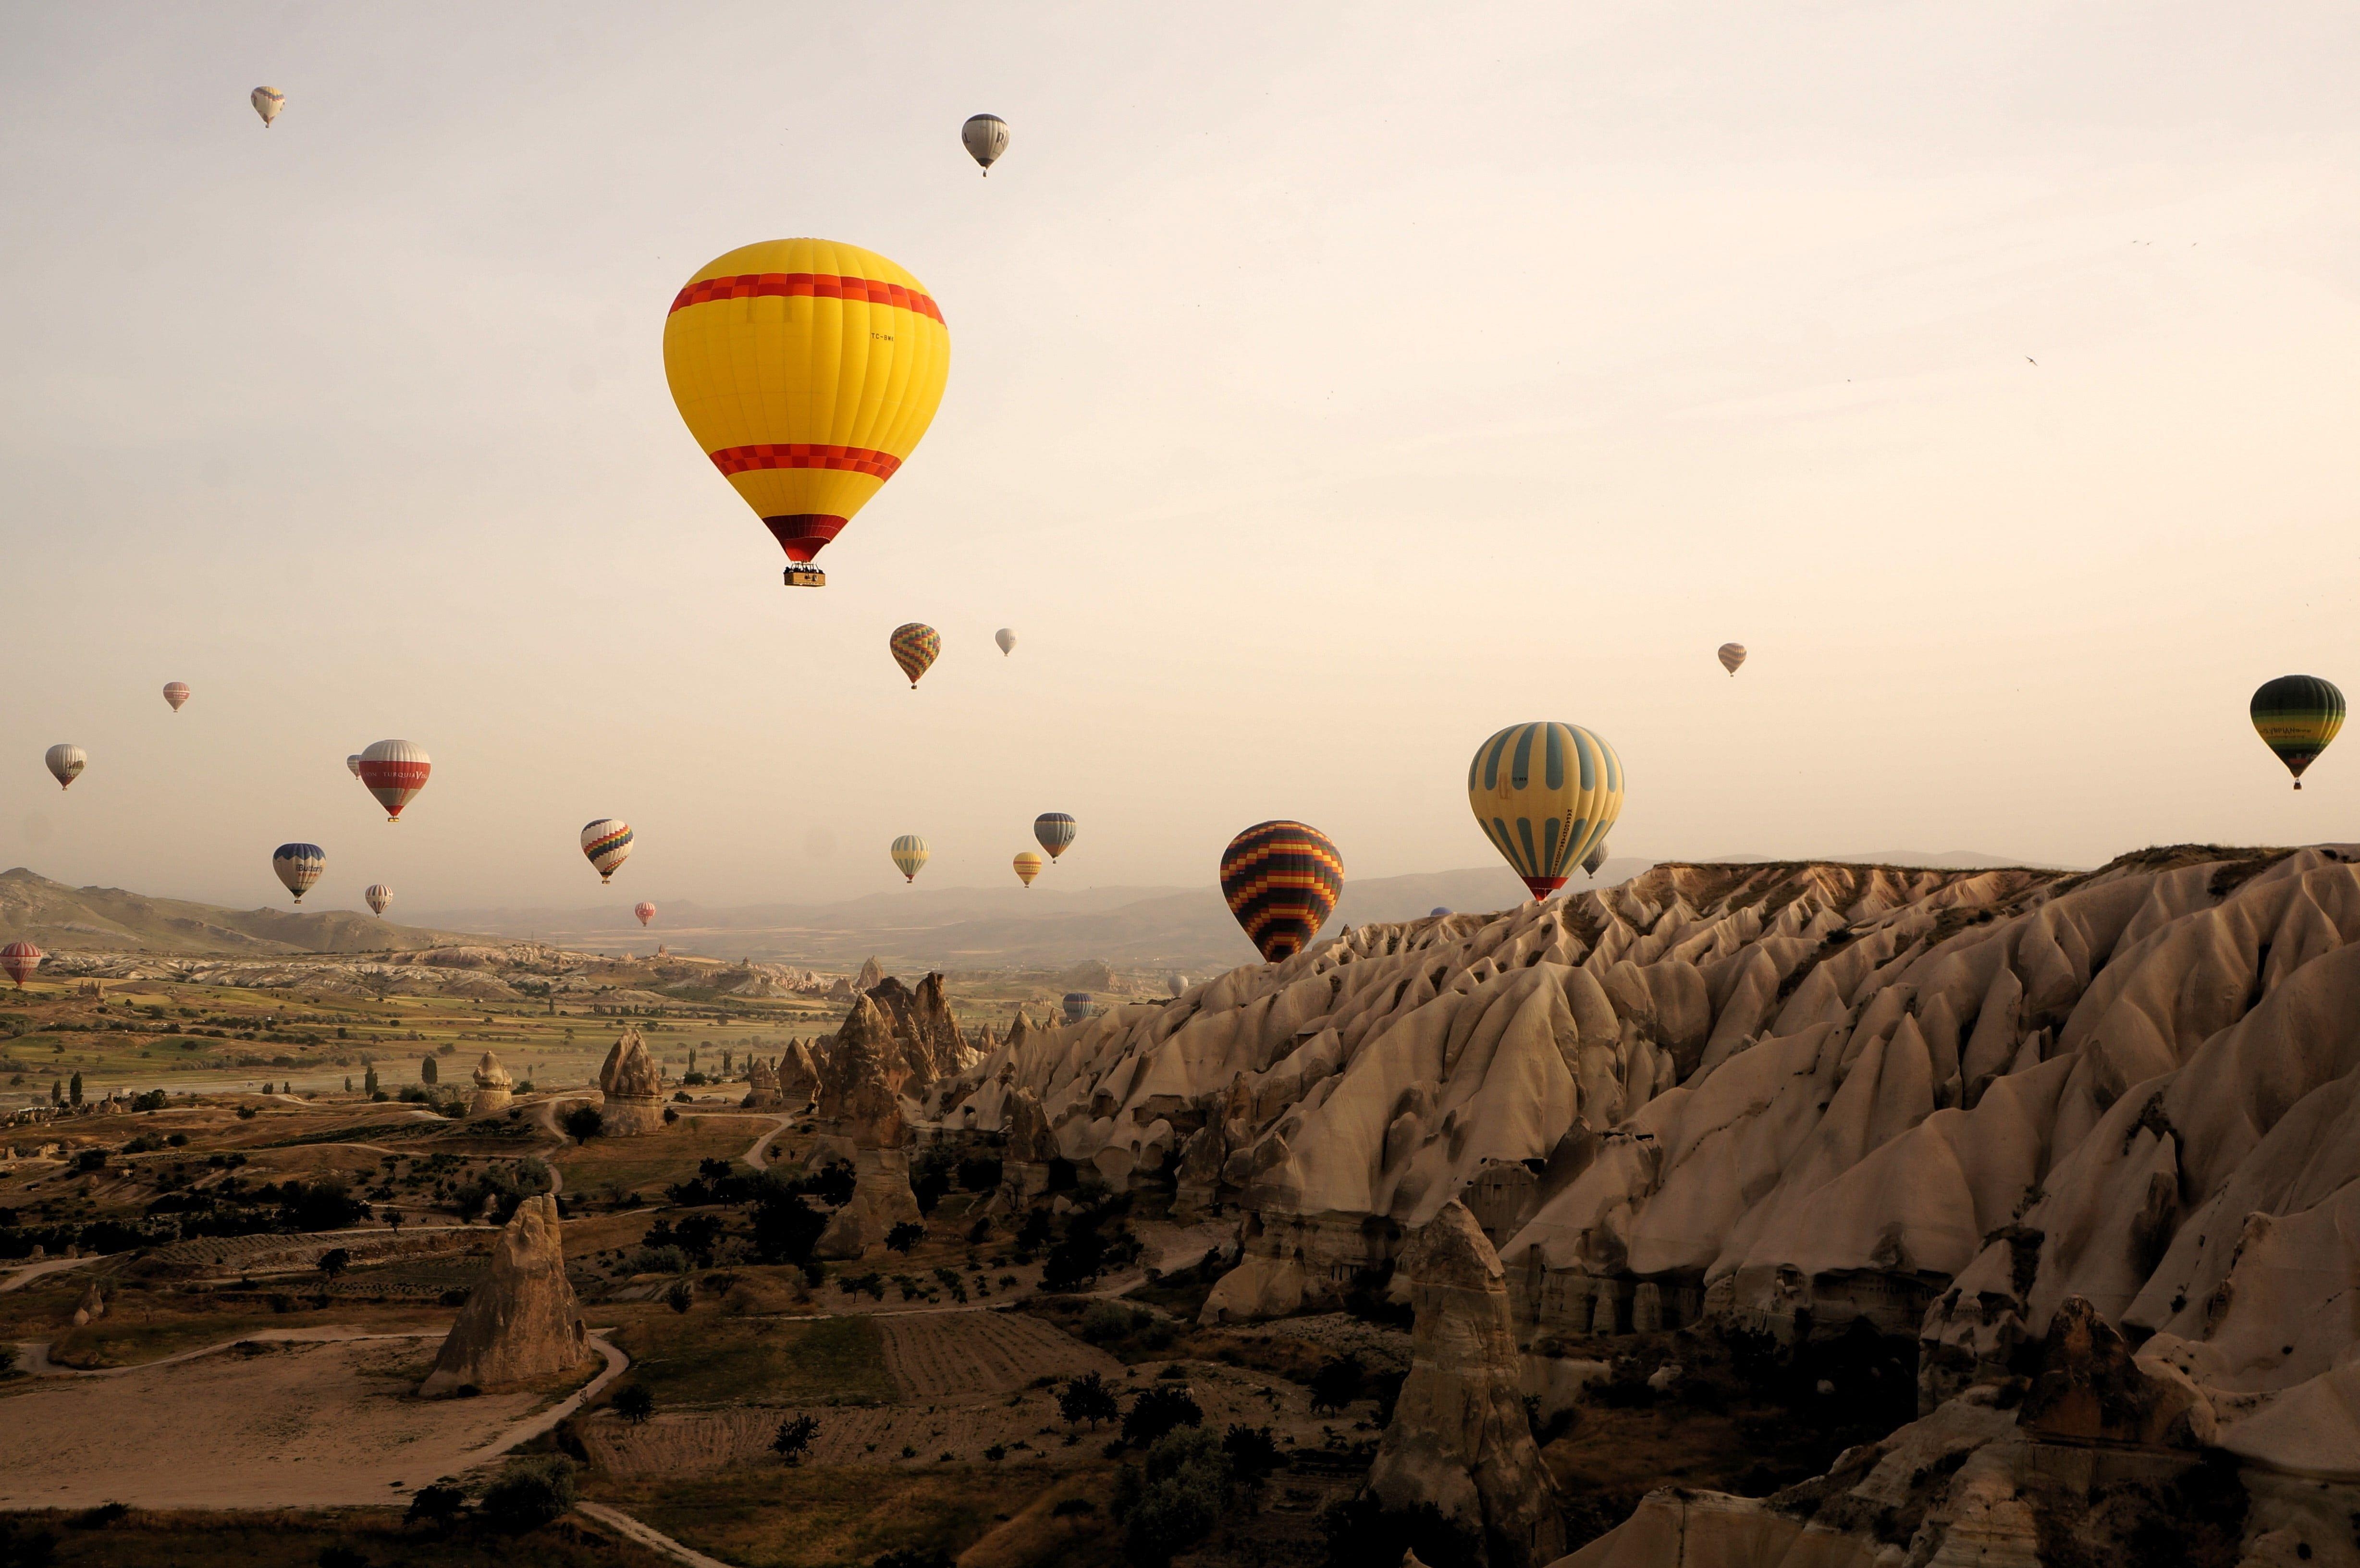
(1087, 1398)
(437, 1505)
(634, 1404)
(335, 1261)
(1254, 1454)
(793, 1438)
(904, 1237)
(1338, 1383)
(1157, 1412)
(915, 1557)
(1362, 1530)
(529, 1493)
(34, 1548)
(1176, 1499)
(584, 1123)
(1107, 1322)
(102, 1516)
(1073, 1508)
(680, 1298)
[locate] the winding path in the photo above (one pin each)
(647, 1535)
(32, 1272)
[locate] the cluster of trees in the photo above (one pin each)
(527, 1494)
(1093, 1238)
(938, 1168)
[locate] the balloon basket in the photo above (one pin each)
(805, 577)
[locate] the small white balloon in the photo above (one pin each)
(1005, 638)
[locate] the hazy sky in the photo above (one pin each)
(1330, 387)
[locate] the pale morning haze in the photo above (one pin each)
(1329, 389)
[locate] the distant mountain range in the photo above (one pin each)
(1045, 926)
(59, 918)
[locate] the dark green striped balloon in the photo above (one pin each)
(2296, 715)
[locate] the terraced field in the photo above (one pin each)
(954, 1357)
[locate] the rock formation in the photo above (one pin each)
(798, 1073)
(761, 1086)
(2109, 1457)
(91, 1308)
(634, 1092)
(494, 1087)
(1460, 1439)
(926, 1029)
(1789, 1097)
(861, 1114)
(872, 974)
(519, 1325)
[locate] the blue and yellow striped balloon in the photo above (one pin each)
(1546, 795)
(909, 856)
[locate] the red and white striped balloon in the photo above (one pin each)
(395, 771)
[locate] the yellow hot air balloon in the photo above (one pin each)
(1028, 867)
(909, 856)
(808, 371)
(1544, 795)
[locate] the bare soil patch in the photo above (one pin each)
(276, 1425)
(958, 1357)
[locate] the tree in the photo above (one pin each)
(793, 1438)
(680, 1298)
(427, 1072)
(73, 1090)
(57, 1092)
(634, 1404)
(335, 1261)
(903, 1236)
(437, 1505)
(1176, 1499)
(1338, 1383)
(1087, 1398)
(1159, 1410)
(785, 1228)
(368, 1081)
(529, 1493)
(584, 1123)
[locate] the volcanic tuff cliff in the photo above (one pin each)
(1784, 1096)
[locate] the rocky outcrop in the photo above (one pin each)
(925, 1031)
(519, 1325)
(798, 1073)
(872, 974)
(634, 1092)
(761, 1086)
(1459, 1439)
(91, 1308)
(860, 1113)
(494, 1087)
